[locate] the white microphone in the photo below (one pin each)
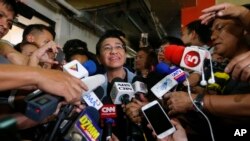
(191, 57)
(175, 77)
(121, 92)
(76, 69)
(140, 87)
(92, 83)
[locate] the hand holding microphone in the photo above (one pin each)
(133, 109)
(85, 127)
(178, 102)
(175, 76)
(108, 115)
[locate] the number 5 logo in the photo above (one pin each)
(192, 59)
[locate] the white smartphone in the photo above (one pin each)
(158, 119)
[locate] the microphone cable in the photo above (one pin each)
(198, 109)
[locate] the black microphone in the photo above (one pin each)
(85, 127)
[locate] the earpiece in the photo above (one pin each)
(203, 80)
(212, 79)
(203, 83)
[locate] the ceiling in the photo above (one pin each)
(158, 18)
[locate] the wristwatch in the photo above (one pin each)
(198, 101)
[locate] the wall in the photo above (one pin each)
(239, 2)
(65, 29)
(192, 13)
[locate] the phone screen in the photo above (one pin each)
(158, 119)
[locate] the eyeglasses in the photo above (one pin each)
(109, 48)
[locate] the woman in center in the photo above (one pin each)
(111, 52)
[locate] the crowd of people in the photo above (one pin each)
(223, 30)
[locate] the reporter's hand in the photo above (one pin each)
(61, 84)
(239, 67)
(224, 10)
(133, 109)
(41, 54)
(177, 102)
(113, 138)
(178, 135)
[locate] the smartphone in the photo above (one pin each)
(158, 119)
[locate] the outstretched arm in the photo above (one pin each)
(51, 81)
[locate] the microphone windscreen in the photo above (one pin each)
(139, 78)
(99, 91)
(116, 79)
(162, 68)
(153, 78)
(173, 53)
(93, 113)
(90, 67)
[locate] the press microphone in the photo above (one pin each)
(76, 69)
(121, 92)
(85, 127)
(108, 113)
(139, 85)
(162, 68)
(175, 77)
(40, 105)
(68, 122)
(191, 57)
(93, 98)
(90, 66)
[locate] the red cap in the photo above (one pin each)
(173, 53)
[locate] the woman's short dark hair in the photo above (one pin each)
(110, 34)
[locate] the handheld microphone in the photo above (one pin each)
(78, 70)
(139, 85)
(40, 106)
(92, 83)
(175, 77)
(191, 57)
(121, 92)
(90, 67)
(108, 113)
(86, 126)
(162, 68)
(177, 73)
(92, 98)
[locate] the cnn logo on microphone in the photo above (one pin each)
(193, 58)
(108, 111)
